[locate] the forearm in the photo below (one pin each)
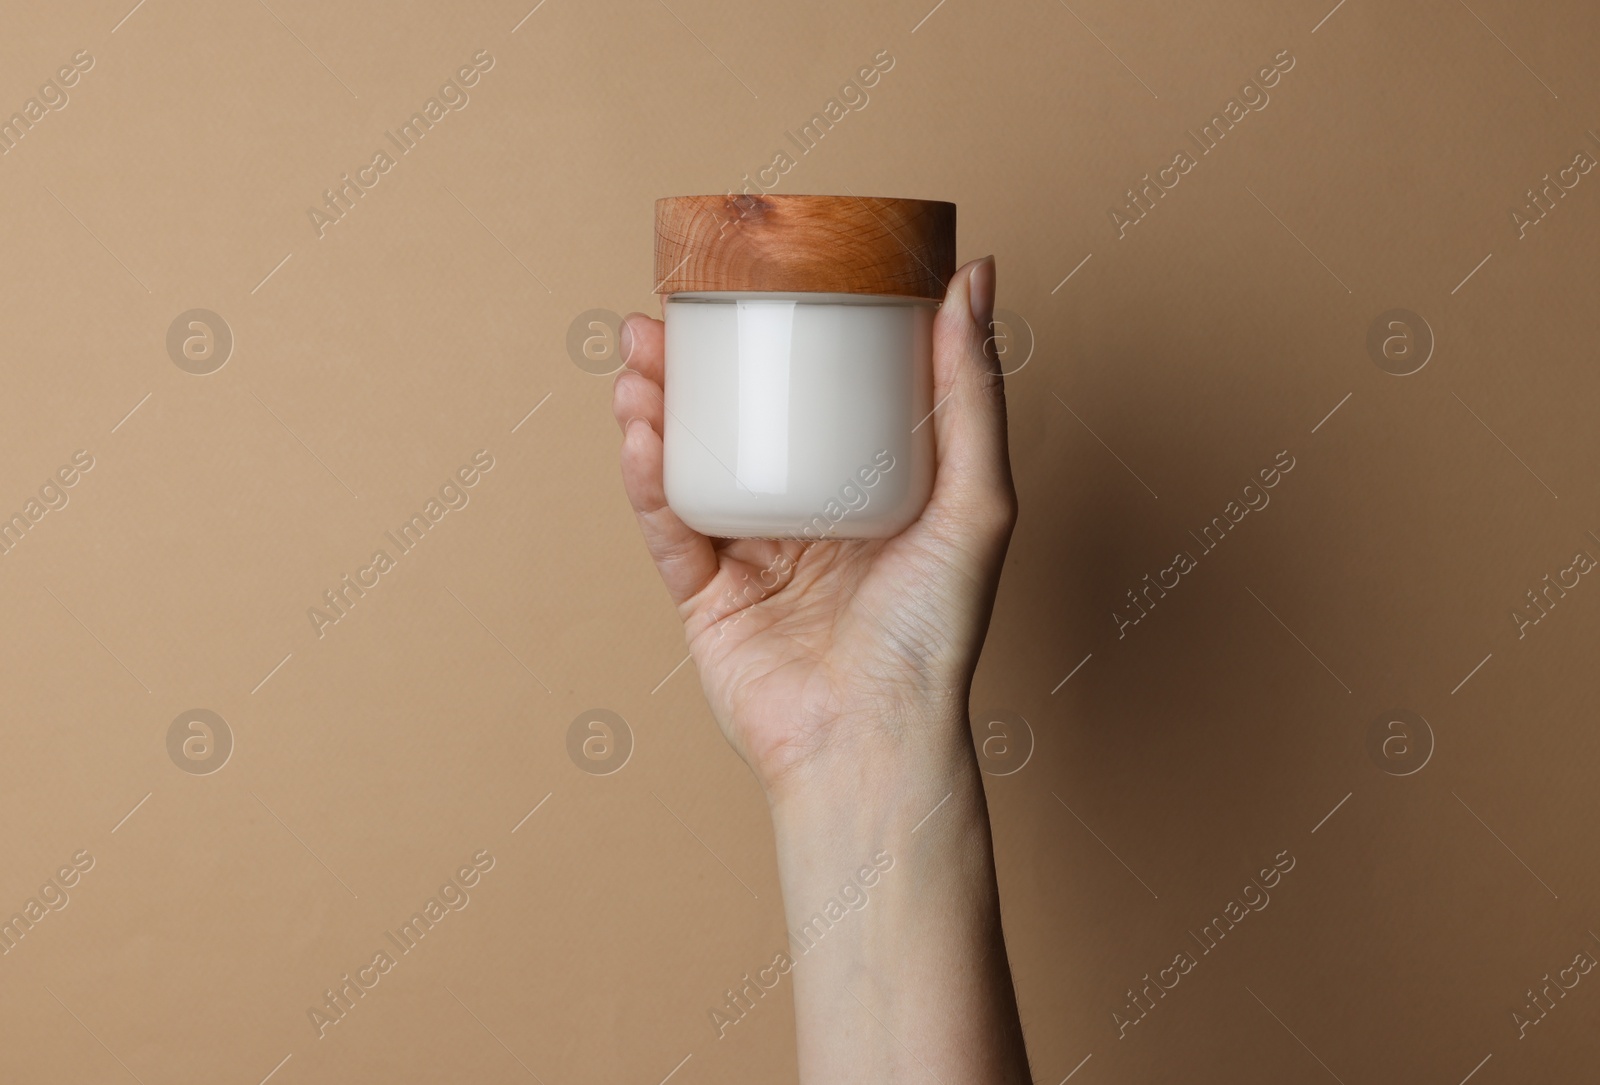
(913, 980)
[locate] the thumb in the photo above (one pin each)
(973, 492)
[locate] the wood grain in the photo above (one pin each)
(810, 244)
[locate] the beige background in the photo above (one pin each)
(371, 763)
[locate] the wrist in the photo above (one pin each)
(875, 771)
(920, 800)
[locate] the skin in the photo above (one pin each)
(840, 671)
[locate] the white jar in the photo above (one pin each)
(799, 361)
(798, 415)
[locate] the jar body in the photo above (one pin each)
(798, 415)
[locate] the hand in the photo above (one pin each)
(840, 670)
(815, 654)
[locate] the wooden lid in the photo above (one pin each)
(805, 244)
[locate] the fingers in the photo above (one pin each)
(973, 486)
(636, 396)
(684, 557)
(642, 346)
(637, 390)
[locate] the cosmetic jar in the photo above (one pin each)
(799, 361)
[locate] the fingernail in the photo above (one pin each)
(980, 291)
(625, 342)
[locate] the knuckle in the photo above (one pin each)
(625, 395)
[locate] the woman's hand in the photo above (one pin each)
(813, 654)
(840, 672)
